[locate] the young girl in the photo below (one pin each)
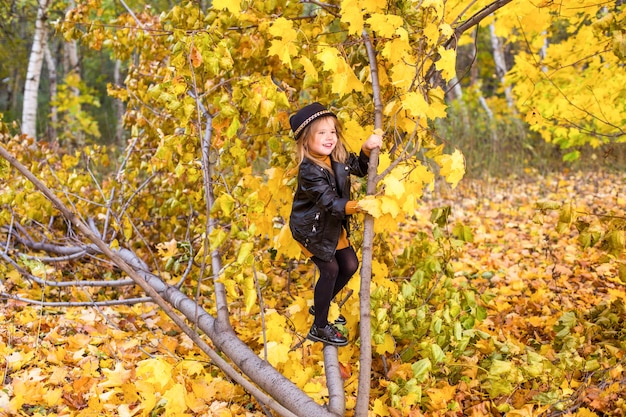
(322, 207)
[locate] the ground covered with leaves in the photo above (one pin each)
(531, 324)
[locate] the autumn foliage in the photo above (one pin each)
(488, 297)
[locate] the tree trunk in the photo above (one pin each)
(52, 75)
(118, 105)
(33, 74)
(365, 362)
(498, 57)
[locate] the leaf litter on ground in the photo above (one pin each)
(555, 317)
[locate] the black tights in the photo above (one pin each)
(334, 275)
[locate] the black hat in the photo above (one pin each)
(306, 115)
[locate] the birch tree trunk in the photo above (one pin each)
(52, 75)
(118, 105)
(498, 57)
(33, 74)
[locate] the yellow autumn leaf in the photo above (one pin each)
(388, 346)
(283, 28)
(441, 396)
(372, 6)
(533, 117)
(195, 57)
(385, 25)
(127, 228)
(415, 104)
(277, 353)
(275, 324)
(431, 32)
(420, 176)
(175, 398)
(167, 250)
(53, 397)
(390, 206)
(380, 274)
(233, 6)
(309, 68)
(397, 51)
(352, 16)
(155, 371)
(452, 167)
(283, 44)
(344, 81)
(384, 160)
(393, 186)
(370, 205)
(286, 245)
(249, 293)
(354, 134)
(116, 377)
(402, 75)
(446, 63)
(243, 257)
(380, 408)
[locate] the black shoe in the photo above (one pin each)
(340, 320)
(327, 334)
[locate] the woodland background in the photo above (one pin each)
(497, 277)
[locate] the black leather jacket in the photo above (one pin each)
(319, 205)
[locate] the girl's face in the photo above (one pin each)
(323, 138)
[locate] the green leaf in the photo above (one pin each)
(421, 369)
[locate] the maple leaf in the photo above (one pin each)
(116, 377)
(232, 6)
(156, 372)
(388, 345)
(415, 104)
(440, 396)
(344, 80)
(283, 44)
(380, 409)
(371, 205)
(351, 14)
(385, 25)
(167, 250)
(446, 63)
(277, 353)
(393, 186)
(452, 167)
(175, 397)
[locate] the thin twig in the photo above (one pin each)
(109, 303)
(260, 295)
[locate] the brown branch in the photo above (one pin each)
(474, 20)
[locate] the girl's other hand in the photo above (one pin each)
(374, 141)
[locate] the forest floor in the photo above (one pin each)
(120, 361)
(539, 275)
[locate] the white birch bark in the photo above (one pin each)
(52, 75)
(33, 74)
(498, 57)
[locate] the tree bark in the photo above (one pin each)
(365, 361)
(500, 63)
(33, 74)
(52, 75)
(118, 105)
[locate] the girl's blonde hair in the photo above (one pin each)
(339, 154)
